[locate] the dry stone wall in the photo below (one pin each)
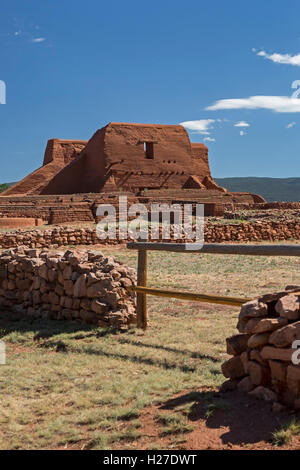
(252, 232)
(82, 286)
(214, 233)
(262, 362)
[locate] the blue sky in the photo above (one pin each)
(70, 67)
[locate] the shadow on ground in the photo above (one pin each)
(191, 354)
(59, 335)
(230, 417)
(44, 328)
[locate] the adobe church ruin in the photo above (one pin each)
(121, 156)
(149, 162)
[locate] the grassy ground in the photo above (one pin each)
(72, 386)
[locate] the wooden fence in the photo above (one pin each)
(142, 290)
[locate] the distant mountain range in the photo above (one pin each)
(272, 189)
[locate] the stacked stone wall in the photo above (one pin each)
(81, 286)
(265, 361)
(213, 233)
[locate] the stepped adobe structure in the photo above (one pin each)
(131, 157)
(149, 162)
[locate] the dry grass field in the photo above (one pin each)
(70, 386)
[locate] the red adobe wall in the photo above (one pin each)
(200, 156)
(20, 222)
(85, 174)
(58, 153)
(63, 150)
(172, 160)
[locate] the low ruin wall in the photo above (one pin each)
(214, 233)
(262, 362)
(81, 286)
(14, 222)
(59, 216)
(252, 232)
(266, 205)
(59, 209)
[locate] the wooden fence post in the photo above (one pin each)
(141, 299)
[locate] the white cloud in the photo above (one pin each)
(38, 40)
(290, 125)
(202, 126)
(279, 104)
(209, 139)
(242, 124)
(280, 58)
(243, 133)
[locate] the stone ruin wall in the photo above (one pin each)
(213, 233)
(55, 209)
(59, 209)
(80, 286)
(261, 363)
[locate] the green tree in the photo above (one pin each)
(3, 187)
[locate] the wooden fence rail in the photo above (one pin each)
(214, 248)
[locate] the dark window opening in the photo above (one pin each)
(149, 150)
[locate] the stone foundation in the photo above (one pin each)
(263, 359)
(81, 286)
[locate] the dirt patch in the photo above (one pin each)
(17, 349)
(228, 420)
